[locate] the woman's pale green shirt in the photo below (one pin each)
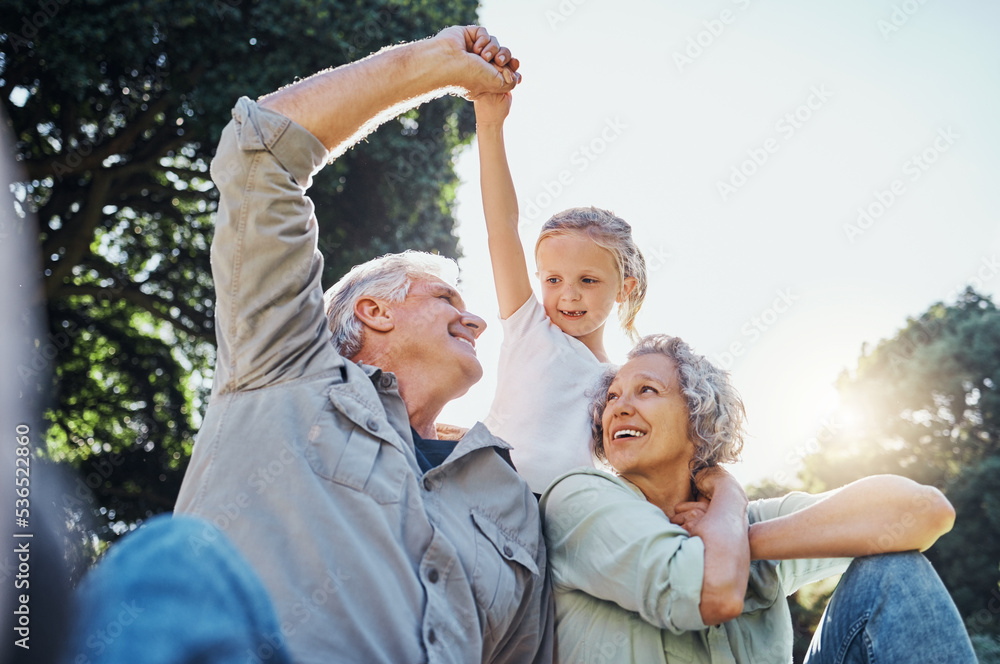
(627, 582)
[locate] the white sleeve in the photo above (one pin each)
(530, 314)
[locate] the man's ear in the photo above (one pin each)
(628, 285)
(374, 314)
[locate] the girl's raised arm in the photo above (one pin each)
(510, 271)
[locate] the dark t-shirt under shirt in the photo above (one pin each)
(431, 453)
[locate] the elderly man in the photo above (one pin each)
(318, 455)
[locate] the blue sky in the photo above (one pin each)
(801, 177)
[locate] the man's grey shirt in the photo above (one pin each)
(305, 459)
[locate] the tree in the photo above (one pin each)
(116, 108)
(925, 404)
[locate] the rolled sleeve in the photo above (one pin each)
(612, 544)
(270, 322)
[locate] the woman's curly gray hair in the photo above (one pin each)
(716, 413)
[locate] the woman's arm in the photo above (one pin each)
(510, 271)
(879, 514)
(721, 523)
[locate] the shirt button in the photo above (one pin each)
(385, 381)
(507, 551)
(433, 576)
(373, 424)
(431, 637)
(428, 484)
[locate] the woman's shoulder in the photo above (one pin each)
(584, 484)
(586, 476)
(588, 505)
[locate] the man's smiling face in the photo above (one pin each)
(435, 331)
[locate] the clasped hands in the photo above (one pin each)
(710, 482)
(492, 70)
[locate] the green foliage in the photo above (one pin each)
(987, 648)
(807, 606)
(925, 404)
(116, 108)
(968, 558)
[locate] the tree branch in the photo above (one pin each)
(189, 172)
(131, 195)
(74, 238)
(151, 303)
(132, 496)
(119, 143)
(60, 199)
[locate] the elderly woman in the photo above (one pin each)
(652, 563)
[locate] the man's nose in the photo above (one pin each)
(474, 323)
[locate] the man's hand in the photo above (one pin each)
(340, 106)
(482, 65)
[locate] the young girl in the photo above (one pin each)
(553, 351)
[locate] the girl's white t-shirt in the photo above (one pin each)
(544, 383)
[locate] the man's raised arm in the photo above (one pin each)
(340, 106)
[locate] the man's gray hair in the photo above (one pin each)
(387, 278)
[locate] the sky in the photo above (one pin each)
(801, 177)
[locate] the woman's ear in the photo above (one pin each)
(374, 314)
(628, 285)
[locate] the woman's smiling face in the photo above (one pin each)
(646, 420)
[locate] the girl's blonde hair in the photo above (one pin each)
(614, 234)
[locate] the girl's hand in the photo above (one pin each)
(712, 479)
(492, 108)
(689, 516)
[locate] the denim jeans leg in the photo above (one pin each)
(891, 608)
(174, 591)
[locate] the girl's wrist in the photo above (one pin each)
(490, 125)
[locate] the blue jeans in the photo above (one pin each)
(891, 608)
(174, 591)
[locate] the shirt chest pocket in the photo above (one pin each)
(503, 569)
(344, 449)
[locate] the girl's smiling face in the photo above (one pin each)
(580, 283)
